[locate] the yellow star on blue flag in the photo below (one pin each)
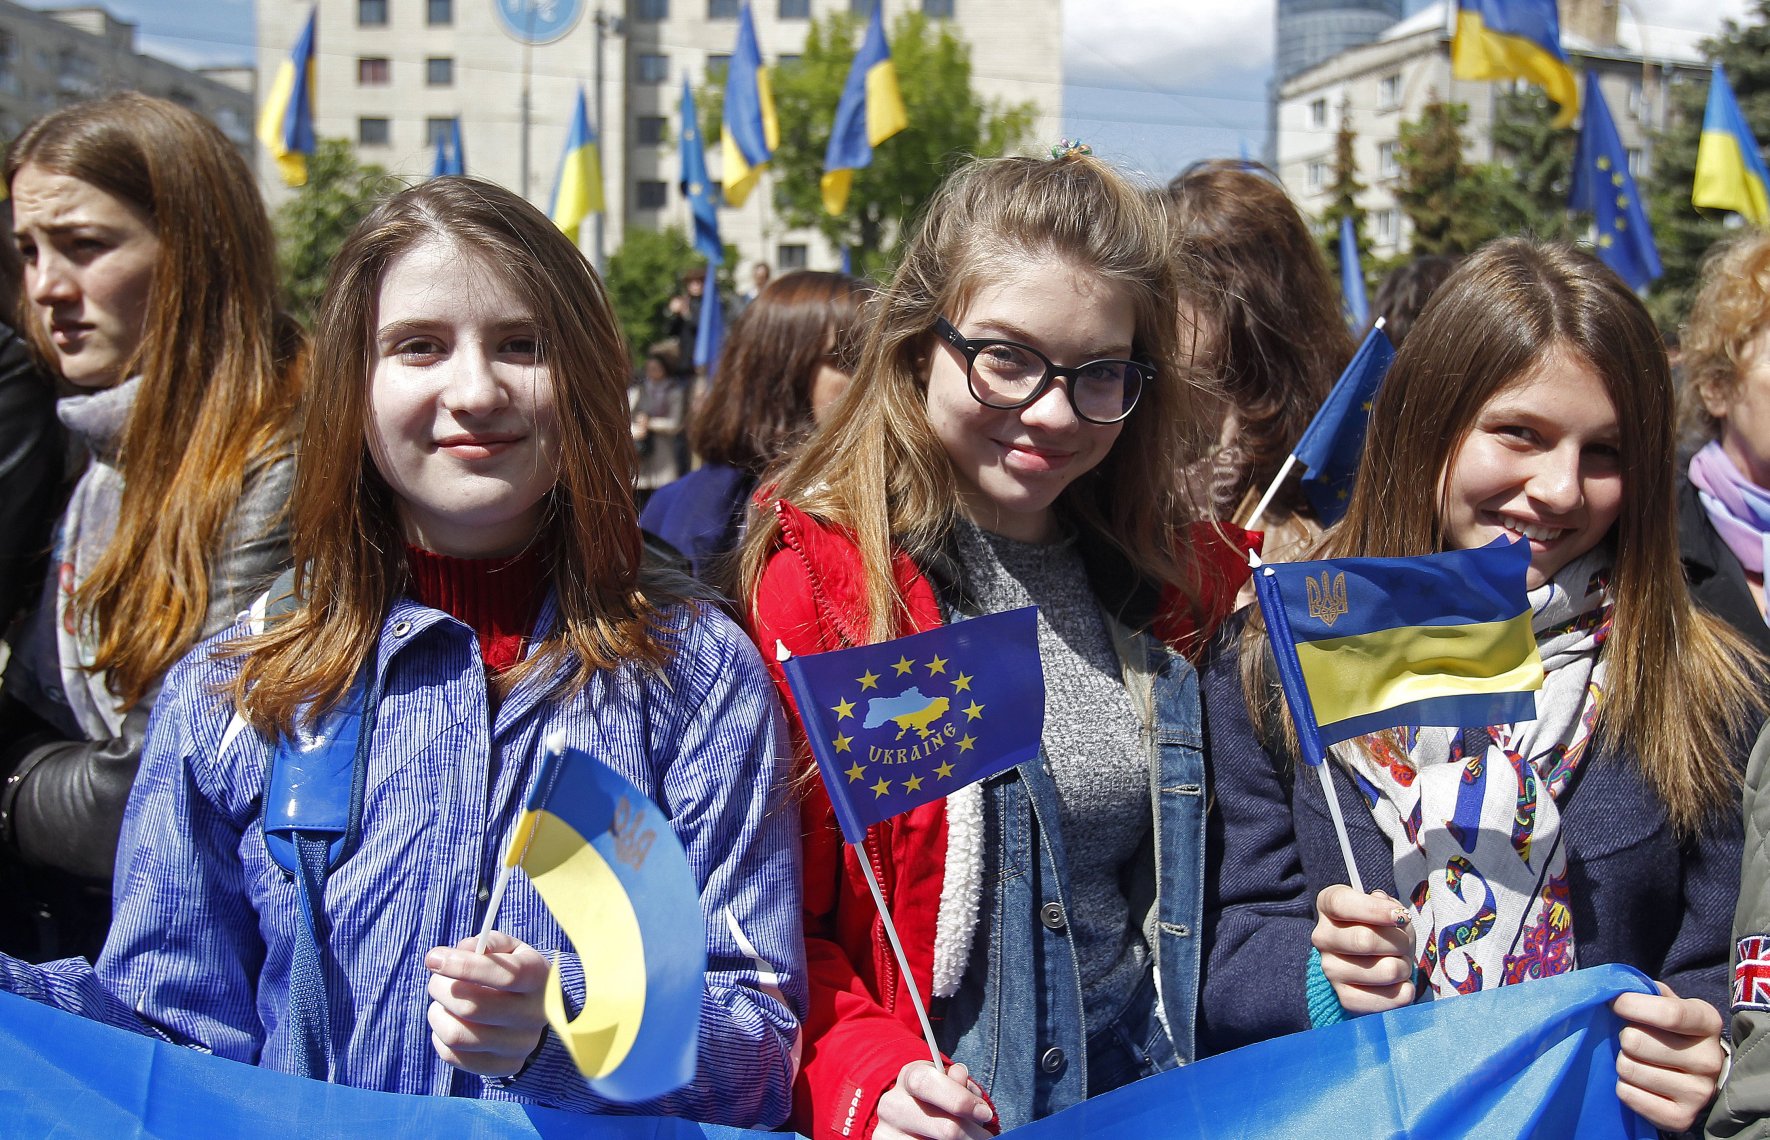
(1603, 187)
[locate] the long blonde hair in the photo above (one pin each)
(877, 471)
(1681, 685)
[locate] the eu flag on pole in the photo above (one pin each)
(870, 111)
(450, 158)
(577, 192)
(1730, 172)
(1364, 644)
(1358, 309)
(709, 334)
(1515, 39)
(1333, 443)
(1603, 186)
(903, 722)
(751, 130)
(703, 201)
(608, 865)
(285, 126)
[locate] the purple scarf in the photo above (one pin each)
(1738, 508)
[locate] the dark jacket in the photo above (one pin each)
(31, 450)
(701, 514)
(1639, 895)
(1717, 580)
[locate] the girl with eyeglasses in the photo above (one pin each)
(1010, 438)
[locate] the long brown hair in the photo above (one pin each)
(1267, 306)
(760, 402)
(348, 540)
(1681, 685)
(876, 468)
(216, 362)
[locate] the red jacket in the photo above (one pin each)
(861, 1029)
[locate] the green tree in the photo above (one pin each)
(948, 122)
(646, 272)
(1448, 200)
(313, 224)
(1532, 172)
(1343, 194)
(1682, 232)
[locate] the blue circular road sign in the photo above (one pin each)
(538, 21)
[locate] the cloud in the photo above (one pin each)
(1166, 45)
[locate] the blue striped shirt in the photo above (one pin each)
(205, 923)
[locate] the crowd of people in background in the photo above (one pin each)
(460, 517)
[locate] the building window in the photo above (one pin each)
(1388, 163)
(372, 72)
(1387, 225)
(653, 69)
(652, 130)
(371, 13)
(861, 7)
(439, 13)
(438, 130)
(781, 61)
(1635, 163)
(1318, 175)
(1637, 105)
(651, 11)
(1317, 114)
(1389, 92)
(718, 65)
(374, 132)
(650, 195)
(795, 9)
(934, 10)
(439, 71)
(790, 255)
(722, 9)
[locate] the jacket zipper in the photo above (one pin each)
(874, 856)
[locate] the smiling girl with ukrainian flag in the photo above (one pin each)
(1532, 402)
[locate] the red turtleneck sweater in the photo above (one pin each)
(500, 598)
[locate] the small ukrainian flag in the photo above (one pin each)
(1730, 171)
(751, 131)
(871, 111)
(285, 126)
(1515, 39)
(577, 193)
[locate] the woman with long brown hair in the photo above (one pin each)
(471, 592)
(149, 286)
(1532, 401)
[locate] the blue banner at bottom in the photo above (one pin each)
(1522, 1061)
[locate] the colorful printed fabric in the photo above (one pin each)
(1751, 973)
(1473, 816)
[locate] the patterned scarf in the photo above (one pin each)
(1738, 508)
(1473, 816)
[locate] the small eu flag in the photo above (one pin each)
(1365, 644)
(709, 333)
(1334, 441)
(1603, 186)
(1356, 304)
(611, 871)
(903, 722)
(703, 200)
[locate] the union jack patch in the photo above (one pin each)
(1751, 973)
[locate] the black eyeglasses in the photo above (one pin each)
(1005, 374)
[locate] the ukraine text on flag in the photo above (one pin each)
(285, 126)
(751, 131)
(897, 724)
(1730, 173)
(611, 871)
(1515, 39)
(1603, 186)
(577, 192)
(1364, 644)
(1333, 443)
(871, 110)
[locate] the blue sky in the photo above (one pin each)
(1152, 84)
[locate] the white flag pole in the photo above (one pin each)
(903, 963)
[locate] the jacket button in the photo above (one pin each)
(401, 628)
(1051, 914)
(485, 894)
(1051, 1060)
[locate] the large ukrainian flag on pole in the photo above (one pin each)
(1729, 167)
(1515, 39)
(750, 131)
(870, 112)
(577, 193)
(285, 126)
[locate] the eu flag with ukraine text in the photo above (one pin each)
(1603, 186)
(1334, 441)
(703, 200)
(871, 111)
(450, 158)
(1358, 308)
(285, 126)
(577, 192)
(1515, 39)
(608, 865)
(1730, 171)
(903, 722)
(1365, 644)
(750, 131)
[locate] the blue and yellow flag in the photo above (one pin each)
(1364, 644)
(750, 131)
(608, 865)
(1603, 186)
(1333, 443)
(285, 126)
(1515, 39)
(1730, 171)
(1357, 305)
(871, 111)
(577, 191)
(703, 200)
(450, 157)
(903, 722)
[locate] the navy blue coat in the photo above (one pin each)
(1640, 896)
